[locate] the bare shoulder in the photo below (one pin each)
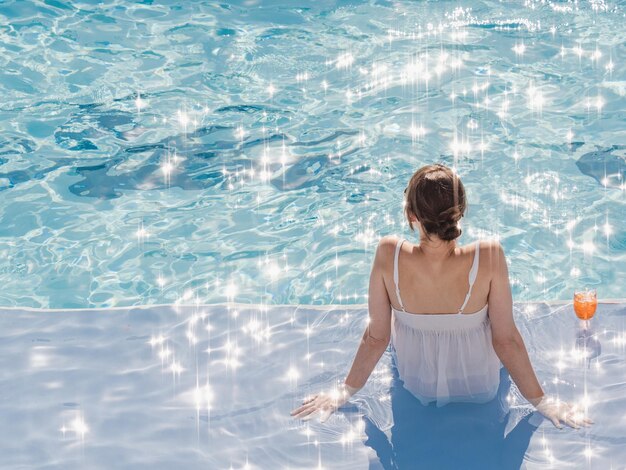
(491, 247)
(386, 248)
(491, 251)
(388, 241)
(492, 255)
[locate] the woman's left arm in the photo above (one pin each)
(372, 346)
(377, 333)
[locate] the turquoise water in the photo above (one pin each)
(250, 154)
(256, 151)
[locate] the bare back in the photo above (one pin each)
(439, 285)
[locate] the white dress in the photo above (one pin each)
(445, 357)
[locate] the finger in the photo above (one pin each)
(302, 408)
(305, 415)
(297, 410)
(584, 421)
(309, 399)
(572, 423)
(305, 407)
(556, 422)
(306, 411)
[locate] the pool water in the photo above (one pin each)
(197, 190)
(212, 387)
(256, 151)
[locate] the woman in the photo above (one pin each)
(442, 356)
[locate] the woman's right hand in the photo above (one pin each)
(557, 411)
(324, 403)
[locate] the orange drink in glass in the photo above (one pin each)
(585, 303)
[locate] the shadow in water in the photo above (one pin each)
(458, 435)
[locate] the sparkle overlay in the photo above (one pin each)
(158, 385)
(261, 150)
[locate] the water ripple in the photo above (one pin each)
(140, 144)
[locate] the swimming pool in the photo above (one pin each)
(254, 152)
(258, 151)
(212, 386)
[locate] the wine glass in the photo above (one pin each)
(585, 303)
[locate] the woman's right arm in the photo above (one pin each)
(507, 341)
(510, 347)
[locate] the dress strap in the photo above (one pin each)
(395, 271)
(472, 275)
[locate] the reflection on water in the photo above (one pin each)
(445, 438)
(588, 341)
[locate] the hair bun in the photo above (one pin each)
(452, 214)
(436, 197)
(449, 231)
